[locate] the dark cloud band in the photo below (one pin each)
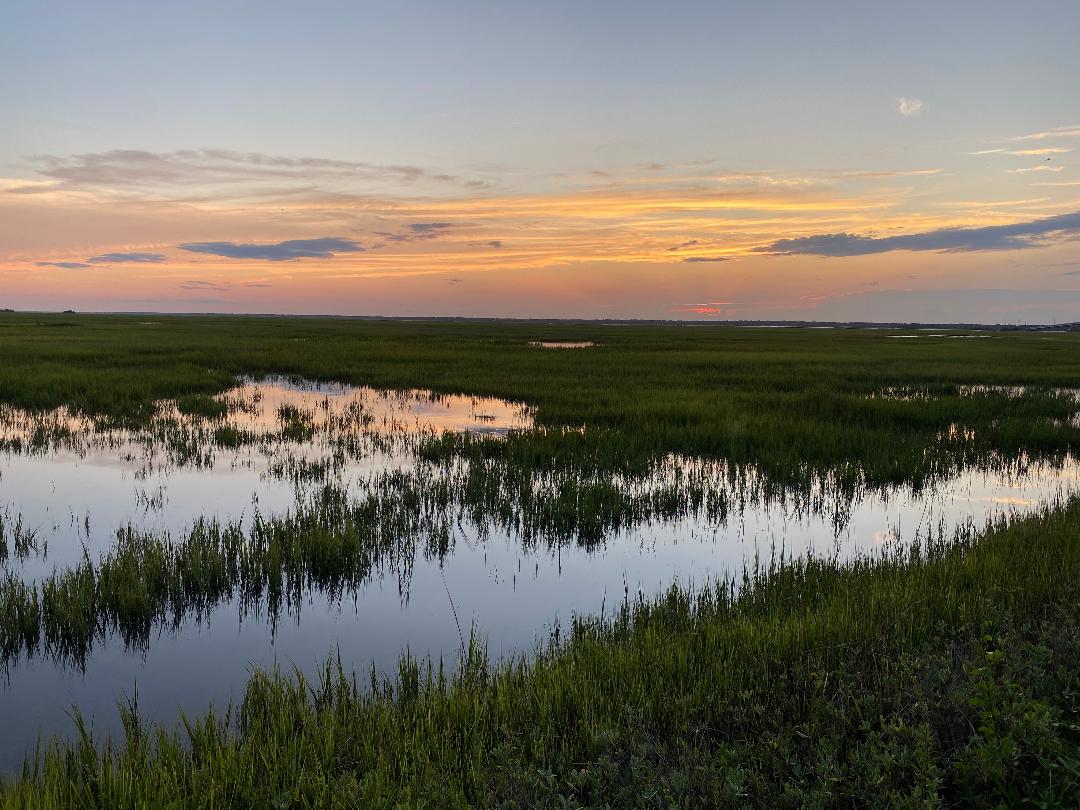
(108, 258)
(1018, 236)
(427, 228)
(65, 265)
(324, 248)
(122, 258)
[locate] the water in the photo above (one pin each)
(562, 344)
(82, 483)
(73, 484)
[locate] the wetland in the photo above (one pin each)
(363, 518)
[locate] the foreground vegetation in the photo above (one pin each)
(334, 541)
(940, 675)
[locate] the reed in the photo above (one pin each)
(335, 540)
(938, 674)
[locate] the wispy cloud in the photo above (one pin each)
(1041, 151)
(323, 248)
(689, 216)
(429, 230)
(204, 285)
(1029, 169)
(878, 175)
(1071, 131)
(683, 245)
(992, 204)
(136, 167)
(126, 258)
(218, 173)
(417, 232)
(107, 258)
(1045, 150)
(219, 286)
(1017, 236)
(909, 106)
(456, 234)
(65, 265)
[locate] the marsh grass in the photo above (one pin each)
(145, 582)
(202, 406)
(335, 540)
(939, 673)
(936, 674)
(774, 398)
(18, 539)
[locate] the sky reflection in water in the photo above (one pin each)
(79, 484)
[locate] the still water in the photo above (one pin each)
(67, 484)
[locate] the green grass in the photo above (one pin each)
(778, 398)
(203, 406)
(941, 675)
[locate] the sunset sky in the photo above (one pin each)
(748, 160)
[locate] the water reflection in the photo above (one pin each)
(562, 344)
(75, 480)
(281, 521)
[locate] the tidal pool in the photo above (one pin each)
(562, 344)
(67, 485)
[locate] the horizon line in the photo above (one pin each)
(790, 323)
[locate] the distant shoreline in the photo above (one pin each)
(792, 324)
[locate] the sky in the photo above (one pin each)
(837, 160)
